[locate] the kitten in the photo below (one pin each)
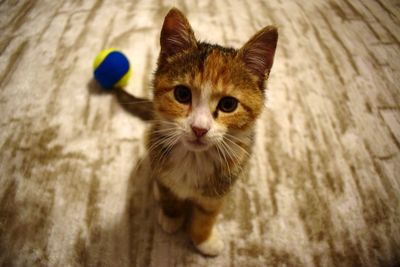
(206, 101)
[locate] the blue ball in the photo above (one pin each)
(111, 69)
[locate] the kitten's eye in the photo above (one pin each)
(228, 104)
(182, 94)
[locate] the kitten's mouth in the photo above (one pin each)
(197, 144)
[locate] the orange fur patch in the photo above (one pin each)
(168, 107)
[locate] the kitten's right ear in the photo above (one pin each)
(176, 34)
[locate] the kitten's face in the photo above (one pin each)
(207, 95)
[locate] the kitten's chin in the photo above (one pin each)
(196, 145)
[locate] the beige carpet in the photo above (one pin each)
(324, 184)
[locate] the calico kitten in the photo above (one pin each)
(206, 101)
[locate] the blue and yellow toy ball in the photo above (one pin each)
(111, 69)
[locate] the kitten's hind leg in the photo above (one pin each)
(172, 209)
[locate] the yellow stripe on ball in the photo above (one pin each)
(101, 56)
(124, 80)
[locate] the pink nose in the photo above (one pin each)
(199, 132)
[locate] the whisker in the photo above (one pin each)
(136, 102)
(165, 138)
(228, 149)
(230, 174)
(235, 138)
(161, 141)
(169, 144)
(222, 149)
(163, 122)
(227, 137)
(233, 154)
(165, 130)
(238, 158)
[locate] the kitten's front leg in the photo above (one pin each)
(202, 230)
(171, 212)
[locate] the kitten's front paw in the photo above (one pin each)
(213, 246)
(168, 224)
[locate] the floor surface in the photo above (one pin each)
(324, 184)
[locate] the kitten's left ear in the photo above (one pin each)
(258, 53)
(176, 34)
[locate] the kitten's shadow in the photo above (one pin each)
(137, 106)
(134, 237)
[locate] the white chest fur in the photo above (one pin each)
(188, 171)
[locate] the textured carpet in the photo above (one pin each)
(324, 182)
